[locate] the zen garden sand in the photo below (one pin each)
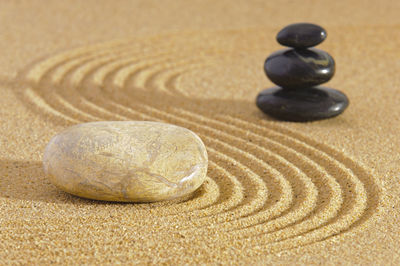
(325, 192)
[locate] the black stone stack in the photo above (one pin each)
(297, 71)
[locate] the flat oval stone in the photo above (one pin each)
(296, 69)
(130, 161)
(301, 35)
(302, 105)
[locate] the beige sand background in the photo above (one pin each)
(277, 192)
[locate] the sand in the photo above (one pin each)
(325, 192)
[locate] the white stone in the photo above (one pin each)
(131, 161)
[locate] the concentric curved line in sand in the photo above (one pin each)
(73, 58)
(35, 99)
(38, 68)
(163, 78)
(295, 222)
(35, 72)
(72, 70)
(86, 69)
(314, 166)
(361, 203)
(355, 168)
(236, 193)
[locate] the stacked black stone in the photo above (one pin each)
(297, 71)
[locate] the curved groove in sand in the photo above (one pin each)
(233, 192)
(162, 79)
(74, 58)
(73, 73)
(304, 166)
(37, 70)
(317, 192)
(35, 100)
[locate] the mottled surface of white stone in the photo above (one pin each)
(131, 161)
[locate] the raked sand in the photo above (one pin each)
(276, 192)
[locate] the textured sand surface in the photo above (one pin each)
(276, 192)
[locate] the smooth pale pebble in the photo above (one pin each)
(129, 161)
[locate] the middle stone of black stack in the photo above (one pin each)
(299, 68)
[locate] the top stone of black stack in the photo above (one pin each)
(301, 35)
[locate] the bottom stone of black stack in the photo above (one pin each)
(302, 105)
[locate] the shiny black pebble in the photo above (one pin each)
(302, 105)
(301, 35)
(296, 69)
